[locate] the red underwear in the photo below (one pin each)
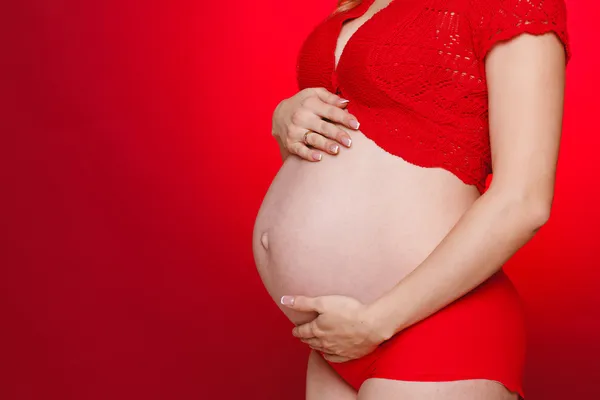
(479, 336)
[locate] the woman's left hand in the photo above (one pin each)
(345, 328)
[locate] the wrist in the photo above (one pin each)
(383, 319)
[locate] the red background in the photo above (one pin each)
(135, 153)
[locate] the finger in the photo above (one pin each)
(334, 358)
(320, 142)
(327, 129)
(301, 150)
(330, 98)
(319, 349)
(303, 303)
(332, 113)
(323, 352)
(304, 331)
(314, 342)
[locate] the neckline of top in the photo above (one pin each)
(351, 14)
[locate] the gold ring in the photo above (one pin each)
(305, 138)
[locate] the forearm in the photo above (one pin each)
(484, 238)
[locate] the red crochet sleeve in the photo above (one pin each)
(499, 20)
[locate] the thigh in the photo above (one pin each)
(386, 389)
(323, 383)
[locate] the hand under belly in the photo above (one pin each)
(353, 224)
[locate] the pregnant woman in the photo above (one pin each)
(378, 238)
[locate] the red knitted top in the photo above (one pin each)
(415, 76)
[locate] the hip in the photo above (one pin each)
(479, 336)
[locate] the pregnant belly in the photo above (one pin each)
(353, 224)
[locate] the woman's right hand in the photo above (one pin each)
(316, 110)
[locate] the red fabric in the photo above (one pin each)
(415, 76)
(480, 336)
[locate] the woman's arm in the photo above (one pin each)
(526, 78)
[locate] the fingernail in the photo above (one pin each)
(354, 124)
(287, 300)
(343, 101)
(317, 156)
(347, 142)
(334, 148)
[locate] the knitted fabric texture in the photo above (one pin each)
(415, 75)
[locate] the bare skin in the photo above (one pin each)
(417, 212)
(323, 383)
(415, 206)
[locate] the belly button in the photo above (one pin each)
(264, 240)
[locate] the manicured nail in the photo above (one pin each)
(287, 300)
(334, 148)
(343, 101)
(317, 156)
(354, 124)
(347, 142)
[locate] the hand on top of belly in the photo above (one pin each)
(306, 122)
(343, 330)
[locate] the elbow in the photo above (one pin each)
(532, 214)
(538, 213)
(531, 209)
